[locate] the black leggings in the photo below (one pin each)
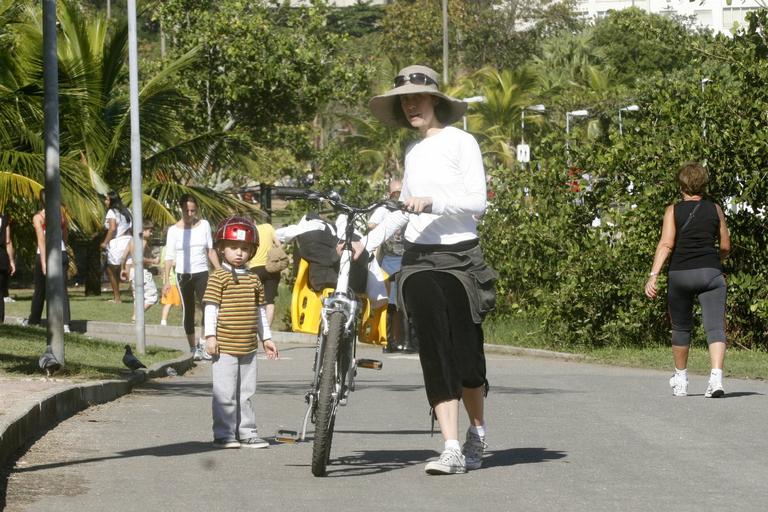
(191, 290)
(4, 274)
(38, 296)
(450, 343)
(685, 285)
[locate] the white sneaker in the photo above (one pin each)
(201, 344)
(714, 389)
(66, 328)
(473, 449)
(197, 353)
(451, 461)
(679, 385)
(8, 299)
(163, 322)
(254, 442)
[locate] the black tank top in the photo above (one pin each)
(695, 247)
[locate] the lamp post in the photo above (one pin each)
(628, 108)
(704, 81)
(471, 99)
(523, 150)
(533, 108)
(568, 116)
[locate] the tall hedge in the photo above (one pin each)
(586, 281)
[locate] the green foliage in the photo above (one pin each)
(585, 281)
(636, 43)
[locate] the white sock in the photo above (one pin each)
(682, 373)
(452, 444)
(716, 375)
(479, 431)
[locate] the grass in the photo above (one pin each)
(517, 331)
(97, 307)
(20, 348)
(529, 333)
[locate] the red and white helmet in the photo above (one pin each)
(238, 229)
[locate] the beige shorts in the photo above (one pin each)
(150, 288)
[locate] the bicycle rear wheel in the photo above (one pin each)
(326, 403)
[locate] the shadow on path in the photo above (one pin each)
(167, 450)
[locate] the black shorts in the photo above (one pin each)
(270, 280)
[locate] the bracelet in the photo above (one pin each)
(653, 274)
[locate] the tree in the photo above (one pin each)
(266, 69)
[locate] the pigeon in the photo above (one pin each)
(48, 362)
(130, 360)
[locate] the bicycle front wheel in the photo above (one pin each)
(326, 402)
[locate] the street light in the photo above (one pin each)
(568, 116)
(628, 108)
(471, 99)
(704, 81)
(533, 108)
(523, 150)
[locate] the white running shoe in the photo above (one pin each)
(201, 345)
(473, 449)
(197, 353)
(451, 461)
(163, 322)
(679, 385)
(714, 389)
(66, 328)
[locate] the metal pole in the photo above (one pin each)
(136, 192)
(621, 131)
(445, 42)
(54, 282)
(567, 136)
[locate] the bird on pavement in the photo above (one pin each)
(130, 360)
(48, 362)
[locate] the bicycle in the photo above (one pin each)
(335, 363)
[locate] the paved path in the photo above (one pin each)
(563, 435)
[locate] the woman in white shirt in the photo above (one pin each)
(189, 247)
(118, 223)
(444, 283)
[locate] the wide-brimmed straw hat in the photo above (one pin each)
(415, 80)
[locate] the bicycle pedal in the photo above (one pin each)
(371, 364)
(286, 436)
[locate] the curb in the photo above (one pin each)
(64, 403)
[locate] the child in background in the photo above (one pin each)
(171, 297)
(127, 268)
(235, 319)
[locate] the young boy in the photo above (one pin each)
(235, 319)
(126, 271)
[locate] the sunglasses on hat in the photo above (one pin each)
(414, 79)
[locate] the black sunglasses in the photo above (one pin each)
(415, 79)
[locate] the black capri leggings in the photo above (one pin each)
(191, 290)
(450, 343)
(685, 285)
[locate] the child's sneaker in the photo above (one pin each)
(163, 322)
(254, 442)
(679, 385)
(451, 461)
(714, 389)
(226, 443)
(473, 449)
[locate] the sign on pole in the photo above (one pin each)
(523, 153)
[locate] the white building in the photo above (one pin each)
(715, 14)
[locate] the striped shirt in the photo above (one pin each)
(238, 317)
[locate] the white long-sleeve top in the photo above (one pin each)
(448, 167)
